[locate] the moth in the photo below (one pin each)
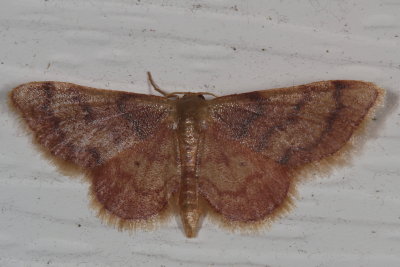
(236, 156)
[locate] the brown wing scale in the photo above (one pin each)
(137, 184)
(256, 140)
(239, 183)
(298, 124)
(253, 143)
(111, 135)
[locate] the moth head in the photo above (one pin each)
(191, 95)
(187, 95)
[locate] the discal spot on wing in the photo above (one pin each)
(240, 184)
(123, 141)
(299, 124)
(87, 126)
(239, 152)
(136, 184)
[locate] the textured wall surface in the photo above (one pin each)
(349, 218)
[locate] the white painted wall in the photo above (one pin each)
(351, 218)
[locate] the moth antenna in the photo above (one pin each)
(173, 94)
(155, 86)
